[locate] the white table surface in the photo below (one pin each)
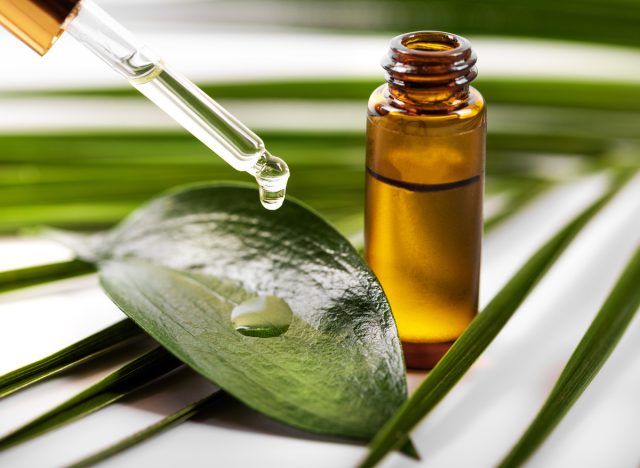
(474, 426)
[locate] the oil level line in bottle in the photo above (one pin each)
(414, 187)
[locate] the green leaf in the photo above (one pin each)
(169, 422)
(87, 348)
(44, 176)
(613, 21)
(24, 277)
(584, 94)
(180, 265)
(592, 352)
(112, 388)
(477, 337)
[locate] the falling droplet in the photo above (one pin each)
(262, 317)
(272, 174)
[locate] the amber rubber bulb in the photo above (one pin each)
(426, 131)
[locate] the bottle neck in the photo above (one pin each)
(429, 71)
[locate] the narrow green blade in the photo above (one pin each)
(89, 347)
(24, 277)
(170, 421)
(112, 388)
(477, 337)
(617, 95)
(592, 352)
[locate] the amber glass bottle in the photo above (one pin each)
(425, 177)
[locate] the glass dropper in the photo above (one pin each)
(176, 95)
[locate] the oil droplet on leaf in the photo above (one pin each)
(262, 317)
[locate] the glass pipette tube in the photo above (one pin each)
(181, 99)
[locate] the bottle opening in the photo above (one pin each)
(430, 41)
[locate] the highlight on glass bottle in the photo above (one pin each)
(40, 22)
(424, 187)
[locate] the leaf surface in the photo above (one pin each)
(181, 264)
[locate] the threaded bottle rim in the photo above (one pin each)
(430, 60)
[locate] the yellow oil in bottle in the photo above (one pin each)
(424, 190)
